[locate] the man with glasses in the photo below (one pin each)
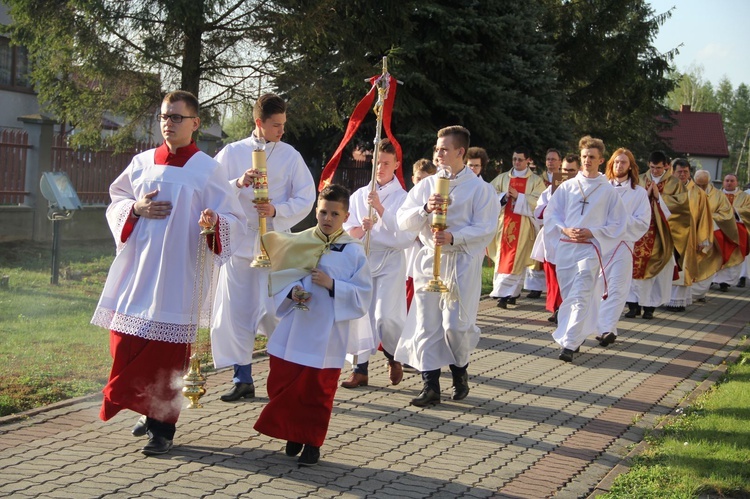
(477, 160)
(700, 240)
(534, 281)
(159, 204)
(660, 252)
(518, 191)
(242, 306)
(729, 274)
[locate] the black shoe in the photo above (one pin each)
(156, 446)
(238, 391)
(606, 339)
(293, 448)
(723, 287)
(566, 355)
(141, 427)
(679, 309)
(648, 312)
(634, 310)
(426, 397)
(512, 300)
(310, 456)
(502, 302)
(741, 284)
(534, 295)
(460, 386)
(553, 318)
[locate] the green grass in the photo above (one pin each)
(48, 349)
(488, 272)
(704, 452)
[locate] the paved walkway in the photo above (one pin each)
(532, 425)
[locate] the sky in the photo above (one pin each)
(715, 34)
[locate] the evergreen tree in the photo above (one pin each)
(615, 80)
(481, 64)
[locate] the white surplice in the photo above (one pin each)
(440, 328)
(619, 266)
(320, 337)
(387, 260)
(578, 265)
(152, 287)
(242, 306)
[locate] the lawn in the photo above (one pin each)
(705, 452)
(48, 349)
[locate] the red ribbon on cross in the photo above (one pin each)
(355, 120)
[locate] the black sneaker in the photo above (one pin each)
(310, 456)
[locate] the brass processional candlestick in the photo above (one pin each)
(194, 382)
(439, 223)
(260, 196)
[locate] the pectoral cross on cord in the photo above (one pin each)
(585, 196)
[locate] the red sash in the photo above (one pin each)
(511, 230)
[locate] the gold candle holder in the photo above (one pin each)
(439, 223)
(260, 196)
(194, 383)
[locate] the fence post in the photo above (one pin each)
(38, 159)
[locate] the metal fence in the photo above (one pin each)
(13, 147)
(92, 172)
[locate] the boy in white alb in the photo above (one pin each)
(441, 327)
(308, 347)
(583, 223)
(242, 306)
(387, 260)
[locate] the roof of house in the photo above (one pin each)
(697, 134)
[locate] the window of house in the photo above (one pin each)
(14, 66)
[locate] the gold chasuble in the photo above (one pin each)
(702, 228)
(741, 204)
(726, 237)
(293, 256)
(511, 248)
(678, 227)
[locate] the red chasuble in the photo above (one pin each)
(511, 229)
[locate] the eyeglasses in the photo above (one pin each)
(176, 118)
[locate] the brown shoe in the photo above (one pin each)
(355, 380)
(395, 372)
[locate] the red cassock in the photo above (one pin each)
(300, 402)
(145, 377)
